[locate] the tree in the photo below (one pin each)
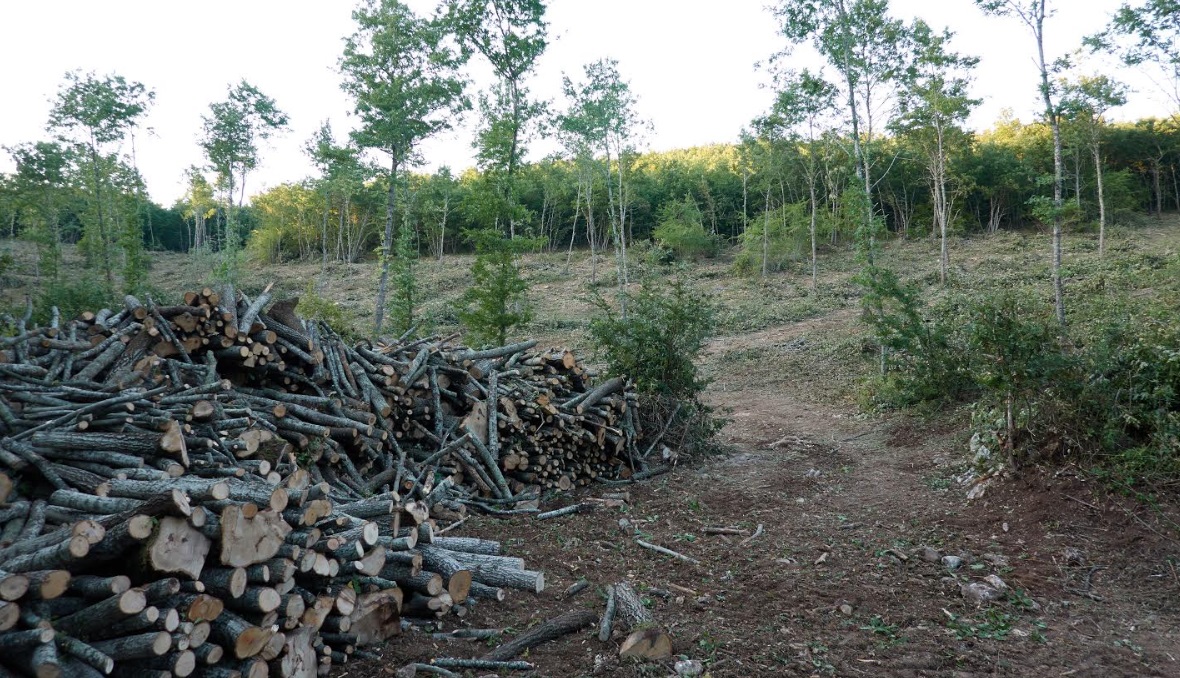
(1032, 13)
(404, 77)
(341, 173)
(601, 115)
(199, 205)
(1147, 34)
(231, 134)
(405, 285)
(511, 35)
(863, 44)
(97, 112)
(496, 302)
(38, 187)
(1086, 101)
(933, 105)
(804, 100)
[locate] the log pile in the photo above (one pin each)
(218, 488)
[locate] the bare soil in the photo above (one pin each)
(834, 586)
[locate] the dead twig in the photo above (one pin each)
(453, 525)
(757, 533)
(667, 552)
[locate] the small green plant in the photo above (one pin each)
(995, 625)
(653, 338)
(889, 631)
(314, 306)
(497, 302)
(71, 296)
(405, 287)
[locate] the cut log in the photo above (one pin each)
(650, 644)
(249, 540)
(631, 610)
(570, 622)
(178, 547)
(135, 647)
(299, 658)
(234, 633)
(13, 586)
(48, 584)
(108, 611)
(377, 616)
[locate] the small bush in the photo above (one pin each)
(682, 230)
(71, 297)
(496, 303)
(654, 339)
(783, 235)
(920, 362)
(314, 306)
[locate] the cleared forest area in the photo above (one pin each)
(849, 546)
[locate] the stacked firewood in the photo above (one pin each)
(218, 488)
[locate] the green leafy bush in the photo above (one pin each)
(1112, 398)
(496, 302)
(71, 296)
(783, 234)
(682, 230)
(653, 338)
(920, 361)
(1132, 396)
(314, 306)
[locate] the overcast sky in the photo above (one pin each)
(691, 63)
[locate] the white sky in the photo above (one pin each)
(691, 63)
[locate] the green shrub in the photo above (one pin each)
(922, 360)
(496, 302)
(314, 306)
(783, 234)
(682, 230)
(72, 296)
(654, 339)
(1132, 396)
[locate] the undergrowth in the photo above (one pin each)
(1104, 390)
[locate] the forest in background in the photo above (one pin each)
(891, 120)
(721, 191)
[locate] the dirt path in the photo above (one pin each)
(835, 584)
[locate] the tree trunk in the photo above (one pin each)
(1058, 162)
(574, 230)
(102, 227)
(386, 247)
(944, 259)
(766, 233)
(1101, 199)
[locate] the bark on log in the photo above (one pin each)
(569, 622)
(630, 607)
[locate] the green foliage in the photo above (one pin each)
(1132, 393)
(656, 341)
(496, 303)
(71, 295)
(405, 286)
(7, 265)
(655, 344)
(783, 235)
(994, 624)
(920, 362)
(315, 307)
(1114, 398)
(682, 231)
